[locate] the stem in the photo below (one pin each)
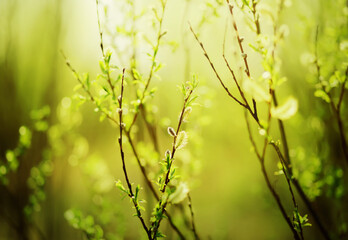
(192, 218)
(112, 86)
(162, 205)
(131, 195)
(150, 185)
(155, 52)
(213, 67)
(244, 55)
(261, 159)
(288, 180)
(85, 88)
(142, 168)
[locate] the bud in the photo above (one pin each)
(244, 55)
(241, 39)
(186, 114)
(167, 154)
(171, 131)
(181, 140)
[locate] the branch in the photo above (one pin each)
(216, 73)
(244, 55)
(192, 217)
(288, 180)
(162, 205)
(91, 97)
(104, 56)
(130, 194)
(155, 52)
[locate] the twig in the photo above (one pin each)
(213, 67)
(91, 97)
(261, 159)
(155, 52)
(112, 86)
(288, 180)
(127, 133)
(131, 195)
(247, 106)
(156, 224)
(244, 55)
(256, 17)
(192, 217)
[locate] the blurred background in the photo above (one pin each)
(64, 162)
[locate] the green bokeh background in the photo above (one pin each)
(230, 197)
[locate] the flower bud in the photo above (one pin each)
(186, 114)
(167, 154)
(171, 131)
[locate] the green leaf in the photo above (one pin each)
(323, 95)
(120, 186)
(77, 87)
(287, 110)
(102, 67)
(86, 80)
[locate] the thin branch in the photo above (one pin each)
(153, 65)
(288, 180)
(112, 86)
(266, 177)
(85, 88)
(131, 195)
(174, 142)
(162, 205)
(192, 217)
(149, 184)
(244, 55)
(216, 73)
(256, 17)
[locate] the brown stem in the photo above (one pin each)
(155, 52)
(162, 205)
(216, 73)
(261, 159)
(244, 55)
(112, 86)
(288, 180)
(131, 195)
(192, 218)
(127, 132)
